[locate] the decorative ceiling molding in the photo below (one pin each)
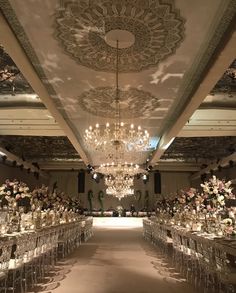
(224, 162)
(28, 101)
(200, 148)
(175, 166)
(12, 81)
(203, 74)
(134, 103)
(62, 165)
(22, 162)
(155, 27)
(14, 39)
(227, 83)
(40, 148)
(20, 34)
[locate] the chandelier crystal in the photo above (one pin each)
(119, 178)
(119, 185)
(119, 182)
(118, 135)
(119, 193)
(116, 169)
(106, 137)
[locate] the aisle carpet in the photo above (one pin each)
(116, 260)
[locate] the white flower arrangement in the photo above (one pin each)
(227, 221)
(13, 192)
(217, 191)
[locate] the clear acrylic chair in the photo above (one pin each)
(226, 270)
(5, 256)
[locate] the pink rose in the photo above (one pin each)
(18, 196)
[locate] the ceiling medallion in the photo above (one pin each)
(148, 31)
(134, 103)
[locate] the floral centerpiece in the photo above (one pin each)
(15, 194)
(217, 191)
(206, 211)
(44, 199)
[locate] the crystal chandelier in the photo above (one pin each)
(117, 135)
(119, 178)
(125, 169)
(119, 182)
(120, 185)
(119, 193)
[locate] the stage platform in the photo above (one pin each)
(117, 222)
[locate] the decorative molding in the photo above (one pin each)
(40, 148)
(200, 149)
(82, 27)
(194, 75)
(215, 165)
(21, 36)
(20, 162)
(23, 40)
(175, 166)
(188, 96)
(134, 103)
(12, 81)
(227, 84)
(62, 165)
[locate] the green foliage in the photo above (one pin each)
(100, 199)
(138, 195)
(90, 197)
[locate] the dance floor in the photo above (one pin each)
(116, 260)
(117, 222)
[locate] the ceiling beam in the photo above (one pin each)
(177, 166)
(26, 165)
(206, 133)
(60, 165)
(32, 132)
(214, 166)
(218, 67)
(14, 49)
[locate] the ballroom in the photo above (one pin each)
(117, 146)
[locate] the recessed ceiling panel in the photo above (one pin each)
(40, 148)
(12, 81)
(164, 49)
(200, 149)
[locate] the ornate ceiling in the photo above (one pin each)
(133, 102)
(38, 149)
(164, 50)
(200, 149)
(12, 81)
(227, 84)
(154, 29)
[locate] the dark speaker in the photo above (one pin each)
(157, 182)
(81, 182)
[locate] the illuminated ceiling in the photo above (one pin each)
(165, 53)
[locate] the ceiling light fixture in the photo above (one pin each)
(116, 135)
(125, 169)
(119, 178)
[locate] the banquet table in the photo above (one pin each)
(26, 257)
(197, 254)
(78, 226)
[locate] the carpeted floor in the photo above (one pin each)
(116, 260)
